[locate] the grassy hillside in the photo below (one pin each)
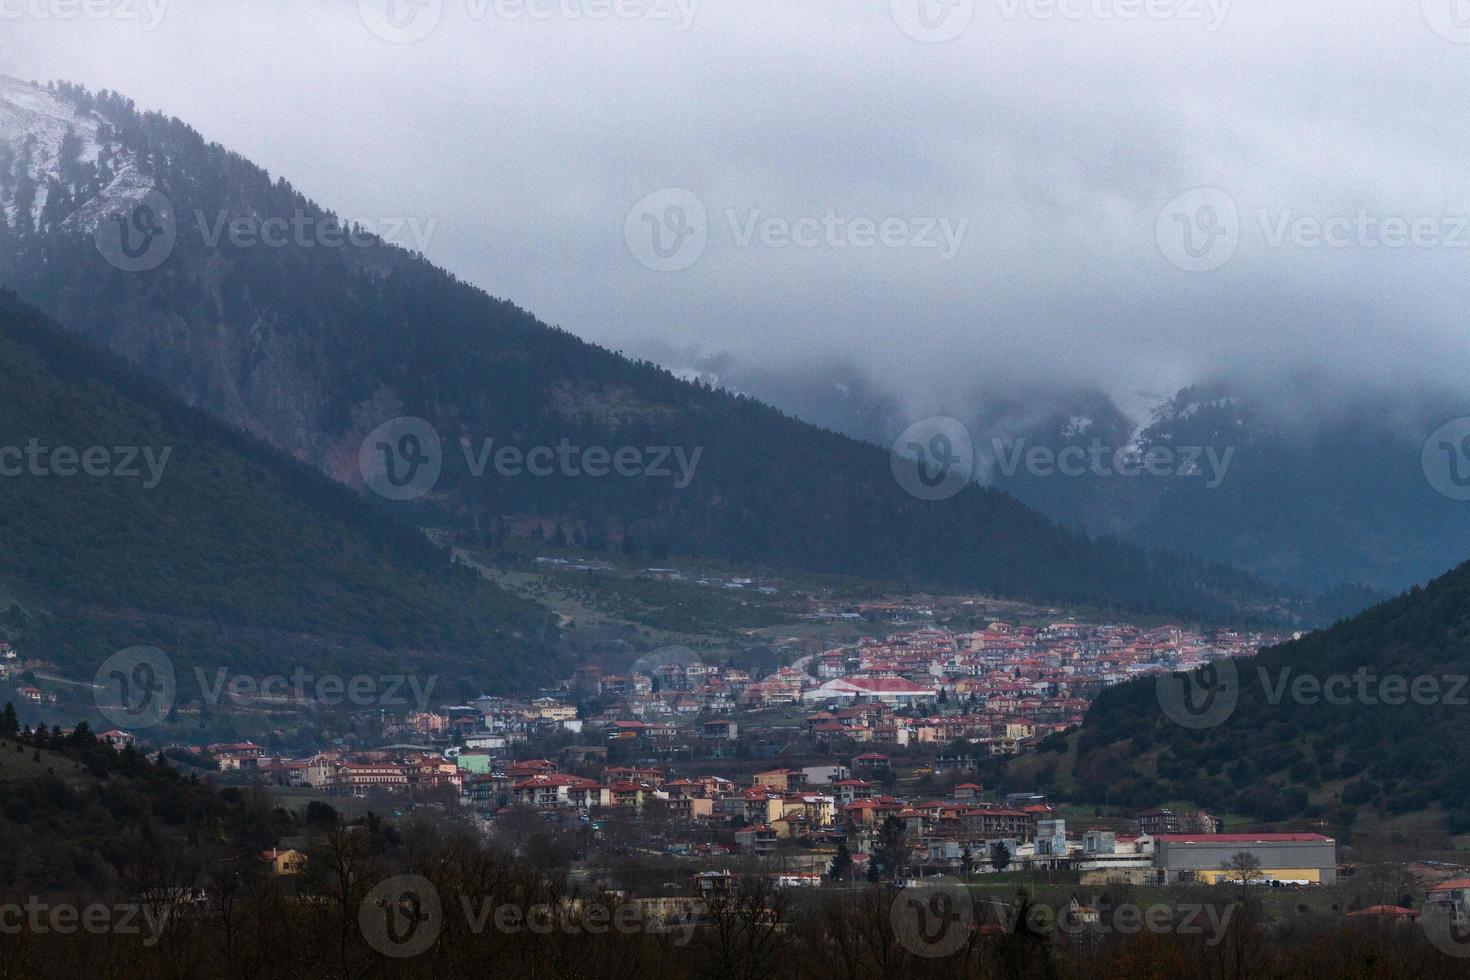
(314, 348)
(237, 556)
(78, 816)
(1364, 718)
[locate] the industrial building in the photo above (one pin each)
(1286, 858)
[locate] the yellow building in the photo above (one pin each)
(1212, 858)
(287, 862)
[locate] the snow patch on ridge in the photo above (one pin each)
(33, 125)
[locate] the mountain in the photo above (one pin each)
(1351, 516)
(127, 518)
(1332, 496)
(239, 294)
(1373, 725)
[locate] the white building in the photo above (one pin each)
(891, 690)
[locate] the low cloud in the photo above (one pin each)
(1060, 140)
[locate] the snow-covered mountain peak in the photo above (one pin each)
(45, 137)
(28, 111)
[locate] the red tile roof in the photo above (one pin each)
(1394, 910)
(1452, 885)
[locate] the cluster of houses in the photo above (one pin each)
(823, 806)
(815, 810)
(1003, 687)
(11, 667)
(1003, 662)
(820, 807)
(394, 768)
(995, 691)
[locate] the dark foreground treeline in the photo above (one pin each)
(114, 865)
(435, 902)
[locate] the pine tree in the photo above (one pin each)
(81, 737)
(9, 722)
(892, 849)
(841, 868)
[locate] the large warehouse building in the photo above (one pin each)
(891, 690)
(1296, 858)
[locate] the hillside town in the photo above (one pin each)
(862, 763)
(855, 762)
(810, 823)
(847, 749)
(946, 699)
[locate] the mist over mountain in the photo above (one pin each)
(1052, 136)
(734, 489)
(1061, 287)
(269, 312)
(1350, 503)
(1309, 502)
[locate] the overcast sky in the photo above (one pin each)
(1003, 177)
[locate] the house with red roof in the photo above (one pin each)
(758, 839)
(284, 772)
(236, 755)
(33, 694)
(284, 862)
(870, 765)
(846, 791)
(358, 777)
(988, 821)
(647, 774)
(550, 790)
(631, 794)
(781, 780)
(871, 812)
(1451, 899)
(1394, 913)
(760, 804)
